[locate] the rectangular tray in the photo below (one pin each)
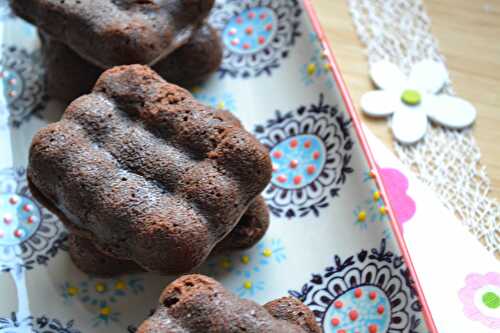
(333, 238)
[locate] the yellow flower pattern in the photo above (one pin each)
(100, 294)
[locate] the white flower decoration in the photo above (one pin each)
(412, 99)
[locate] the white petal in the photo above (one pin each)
(387, 76)
(379, 103)
(428, 76)
(409, 124)
(450, 111)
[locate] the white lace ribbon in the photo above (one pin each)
(448, 161)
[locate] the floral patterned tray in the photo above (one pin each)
(333, 241)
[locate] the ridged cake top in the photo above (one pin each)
(117, 32)
(146, 171)
(196, 303)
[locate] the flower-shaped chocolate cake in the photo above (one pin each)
(146, 172)
(196, 303)
(249, 230)
(70, 76)
(126, 31)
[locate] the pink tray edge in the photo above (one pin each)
(337, 76)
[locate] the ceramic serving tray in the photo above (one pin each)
(333, 242)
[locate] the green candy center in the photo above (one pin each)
(491, 300)
(411, 97)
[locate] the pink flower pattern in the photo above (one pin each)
(396, 186)
(481, 299)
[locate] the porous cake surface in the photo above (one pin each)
(124, 31)
(249, 230)
(70, 76)
(146, 171)
(196, 303)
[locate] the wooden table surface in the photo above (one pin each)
(469, 36)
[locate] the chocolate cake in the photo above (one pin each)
(196, 303)
(90, 260)
(70, 76)
(147, 172)
(192, 63)
(249, 230)
(109, 33)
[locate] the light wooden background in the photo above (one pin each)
(469, 36)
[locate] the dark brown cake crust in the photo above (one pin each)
(192, 63)
(294, 311)
(125, 31)
(91, 261)
(70, 76)
(196, 303)
(147, 172)
(249, 230)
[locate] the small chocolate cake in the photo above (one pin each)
(109, 33)
(147, 172)
(90, 260)
(70, 76)
(196, 303)
(249, 230)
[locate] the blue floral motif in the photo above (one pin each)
(368, 176)
(247, 265)
(318, 67)
(311, 149)
(250, 31)
(250, 288)
(21, 219)
(369, 291)
(28, 231)
(272, 251)
(377, 205)
(298, 161)
(101, 294)
(21, 84)
(41, 324)
(372, 211)
(256, 34)
(224, 101)
(361, 217)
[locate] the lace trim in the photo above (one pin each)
(448, 161)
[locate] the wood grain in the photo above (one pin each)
(469, 37)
